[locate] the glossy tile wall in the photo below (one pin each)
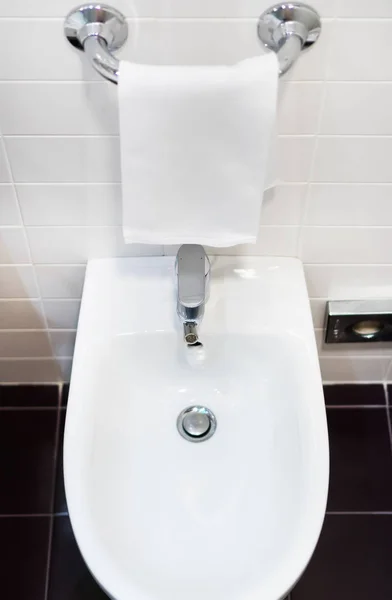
(59, 167)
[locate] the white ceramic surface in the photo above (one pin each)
(157, 517)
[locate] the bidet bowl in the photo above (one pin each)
(156, 516)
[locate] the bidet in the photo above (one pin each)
(149, 508)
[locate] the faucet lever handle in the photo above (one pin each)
(191, 271)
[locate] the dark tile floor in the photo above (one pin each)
(39, 556)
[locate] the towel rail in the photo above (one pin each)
(99, 30)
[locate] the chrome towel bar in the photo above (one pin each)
(99, 30)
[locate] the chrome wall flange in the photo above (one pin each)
(98, 30)
(287, 29)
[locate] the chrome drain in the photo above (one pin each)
(196, 423)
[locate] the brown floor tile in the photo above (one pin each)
(29, 395)
(24, 553)
(361, 460)
(27, 447)
(352, 560)
(349, 395)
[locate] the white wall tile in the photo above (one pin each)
(48, 8)
(349, 282)
(318, 307)
(78, 244)
(63, 342)
(152, 41)
(214, 41)
(30, 39)
(64, 159)
(361, 51)
(294, 158)
(283, 204)
(364, 8)
(9, 213)
(299, 107)
(360, 349)
(13, 246)
(4, 170)
(18, 282)
(30, 371)
(356, 369)
(61, 281)
(21, 314)
(158, 8)
(50, 110)
(24, 344)
(218, 8)
(194, 41)
(355, 245)
(356, 108)
(272, 241)
(187, 41)
(353, 160)
(350, 204)
(58, 108)
(62, 314)
(70, 204)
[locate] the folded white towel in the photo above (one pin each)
(194, 150)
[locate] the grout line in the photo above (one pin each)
(329, 264)
(48, 558)
(95, 184)
(83, 265)
(388, 409)
(116, 183)
(326, 226)
(92, 136)
(32, 358)
(25, 516)
(352, 381)
(52, 501)
(18, 383)
(36, 330)
(61, 388)
(247, 18)
(38, 382)
(27, 242)
(100, 82)
(315, 134)
(306, 206)
(355, 406)
(387, 376)
(21, 408)
(30, 299)
(358, 512)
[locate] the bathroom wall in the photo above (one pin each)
(59, 167)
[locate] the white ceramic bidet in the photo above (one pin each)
(237, 515)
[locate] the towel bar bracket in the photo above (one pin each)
(98, 30)
(287, 29)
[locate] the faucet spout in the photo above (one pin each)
(191, 335)
(192, 267)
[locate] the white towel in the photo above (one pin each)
(194, 150)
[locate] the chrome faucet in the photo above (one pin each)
(193, 269)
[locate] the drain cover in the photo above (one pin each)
(196, 423)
